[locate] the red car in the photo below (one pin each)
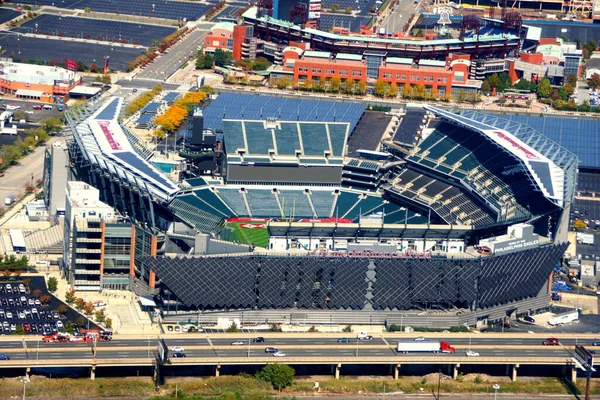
(26, 327)
(38, 107)
(551, 342)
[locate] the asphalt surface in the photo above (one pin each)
(167, 64)
(202, 347)
(399, 16)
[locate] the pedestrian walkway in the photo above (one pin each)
(50, 239)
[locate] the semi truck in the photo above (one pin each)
(425, 346)
(564, 318)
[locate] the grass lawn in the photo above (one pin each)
(256, 236)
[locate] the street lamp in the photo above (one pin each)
(496, 387)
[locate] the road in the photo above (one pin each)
(399, 16)
(167, 64)
(199, 346)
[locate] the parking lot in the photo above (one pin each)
(32, 116)
(21, 305)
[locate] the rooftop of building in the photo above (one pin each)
(36, 74)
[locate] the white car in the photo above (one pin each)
(59, 324)
(471, 353)
(177, 349)
(419, 339)
(237, 343)
(12, 107)
(279, 354)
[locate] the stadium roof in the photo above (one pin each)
(106, 143)
(558, 155)
(549, 177)
(285, 140)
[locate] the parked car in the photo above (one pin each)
(419, 339)
(529, 319)
(596, 343)
(38, 106)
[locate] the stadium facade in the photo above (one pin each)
(381, 233)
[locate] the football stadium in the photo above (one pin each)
(461, 214)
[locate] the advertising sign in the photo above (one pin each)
(584, 357)
(314, 15)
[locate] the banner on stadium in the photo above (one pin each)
(315, 7)
(314, 15)
(315, 1)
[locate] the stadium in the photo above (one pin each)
(306, 206)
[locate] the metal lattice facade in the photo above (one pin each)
(278, 282)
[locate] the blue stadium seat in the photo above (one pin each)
(263, 203)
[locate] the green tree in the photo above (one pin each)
(222, 57)
(52, 284)
(260, 64)
(99, 315)
(543, 90)
(522, 84)
(493, 81)
(502, 100)
(233, 328)
(347, 329)
(335, 7)
(349, 86)
(81, 66)
(20, 330)
(80, 321)
(207, 89)
(284, 83)
(485, 86)
(68, 328)
(279, 376)
(108, 323)
(504, 82)
(52, 125)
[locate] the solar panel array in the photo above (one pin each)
(95, 29)
(277, 282)
(350, 22)
(258, 107)
(578, 135)
(149, 8)
(361, 5)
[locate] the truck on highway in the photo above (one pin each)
(428, 346)
(564, 318)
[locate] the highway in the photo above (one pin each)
(218, 348)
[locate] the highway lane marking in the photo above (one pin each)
(209, 341)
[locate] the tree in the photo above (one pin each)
(80, 321)
(279, 376)
(208, 90)
(52, 284)
(108, 322)
(362, 87)
(37, 293)
(260, 64)
(380, 87)
(283, 83)
(52, 125)
(594, 81)
(579, 224)
(393, 91)
(336, 83)
(233, 328)
(99, 315)
(20, 330)
(88, 308)
(502, 100)
(222, 57)
(68, 328)
(522, 84)
(70, 296)
(45, 299)
(335, 7)
(347, 329)
(62, 309)
(406, 91)
(571, 79)
(79, 303)
(543, 90)
(349, 86)
(81, 66)
(493, 81)
(485, 86)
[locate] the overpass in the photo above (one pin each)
(215, 351)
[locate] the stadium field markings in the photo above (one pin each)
(256, 234)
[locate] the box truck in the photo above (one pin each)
(564, 318)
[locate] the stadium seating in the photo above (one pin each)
(345, 202)
(213, 201)
(338, 135)
(263, 203)
(295, 203)
(234, 199)
(234, 137)
(314, 139)
(259, 139)
(322, 201)
(186, 208)
(287, 138)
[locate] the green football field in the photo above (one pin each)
(256, 236)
